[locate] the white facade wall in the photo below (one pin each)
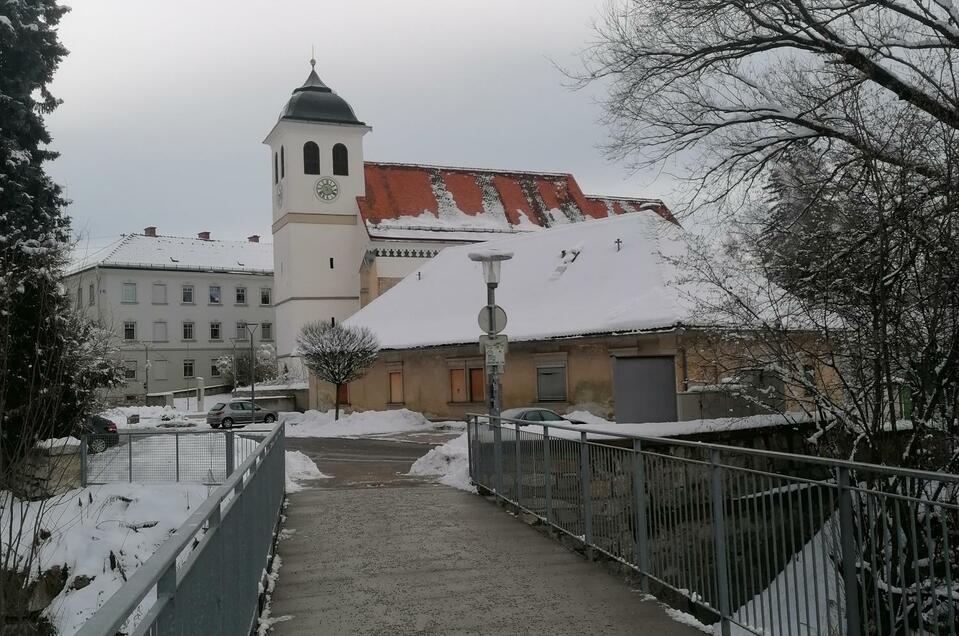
(148, 312)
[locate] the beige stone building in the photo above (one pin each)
(593, 323)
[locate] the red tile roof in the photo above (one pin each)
(481, 200)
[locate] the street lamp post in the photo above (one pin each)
(492, 320)
(251, 329)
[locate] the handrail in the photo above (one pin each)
(809, 459)
(112, 614)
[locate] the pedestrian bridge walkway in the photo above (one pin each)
(373, 552)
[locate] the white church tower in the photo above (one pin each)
(316, 163)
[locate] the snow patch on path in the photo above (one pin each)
(299, 467)
(450, 462)
(322, 424)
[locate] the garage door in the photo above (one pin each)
(644, 389)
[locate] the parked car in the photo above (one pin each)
(101, 433)
(534, 414)
(237, 413)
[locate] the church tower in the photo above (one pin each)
(316, 173)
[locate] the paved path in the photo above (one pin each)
(374, 552)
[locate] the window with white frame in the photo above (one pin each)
(241, 295)
(266, 331)
(241, 331)
(551, 385)
(130, 369)
(129, 293)
(266, 296)
(188, 330)
(214, 294)
(189, 368)
(216, 331)
(214, 370)
(186, 294)
(129, 330)
(159, 293)
(159, 331)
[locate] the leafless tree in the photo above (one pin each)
(722, 87)
(337, 354)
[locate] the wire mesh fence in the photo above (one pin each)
(767, 543)
(206, 457)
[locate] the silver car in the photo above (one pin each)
(534, 415)
(238, 413)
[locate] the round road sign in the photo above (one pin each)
(498, 322)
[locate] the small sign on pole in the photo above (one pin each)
(495, 349)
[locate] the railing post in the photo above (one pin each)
(229, 454)
(547, 475)
(847, 538)
(641, 549)
(83, 461)
(585, 493)
(167, 622)
(517, 471)
(130, 455)
(498, 453)
(719, 540)
(177, 453)
(470, 436)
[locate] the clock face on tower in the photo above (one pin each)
(326, 189)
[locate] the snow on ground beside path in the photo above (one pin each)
(322, 424)
(153, 416)
(299, 468)
(450, 462)
(202, 458)
(100, 533)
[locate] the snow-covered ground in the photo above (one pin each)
(184, 412)
(300, 468)
(100, 535)
(450, 462)
(322, 424)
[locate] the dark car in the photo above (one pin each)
(237, 412)
(535, 415)
(101, 433)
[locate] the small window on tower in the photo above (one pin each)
(276, 168)
(311, 158)
(331, 262)
(341, 160)
(282, 163)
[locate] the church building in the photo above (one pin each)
(345, 230)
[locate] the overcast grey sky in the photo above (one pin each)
(166, 103)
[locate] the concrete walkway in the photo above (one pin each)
(374, 552)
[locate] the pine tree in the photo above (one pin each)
(51, 361)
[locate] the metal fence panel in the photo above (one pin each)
(766, 542)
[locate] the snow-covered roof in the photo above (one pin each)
(176, 253)
(417, 202)
(596, 277)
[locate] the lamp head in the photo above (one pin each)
(491, 260)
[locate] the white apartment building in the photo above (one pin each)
(176, 305)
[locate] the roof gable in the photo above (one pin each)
(403, 199)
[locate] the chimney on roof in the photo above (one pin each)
(253, 239)
(203, 236)
(150, 231)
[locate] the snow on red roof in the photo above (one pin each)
(403, 200)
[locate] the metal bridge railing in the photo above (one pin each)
(205, 456)
(205, 578)
(768, 543)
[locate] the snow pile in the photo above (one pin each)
(60, 445)
(100, 535)
(153, 416)
(202, 458)
(450, 462)
(322, 424)
(299, 468)
(149, 415)
(615, 278)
